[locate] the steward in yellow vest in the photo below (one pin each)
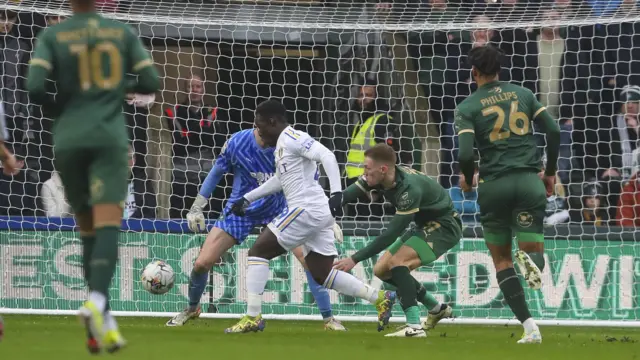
(364, 136)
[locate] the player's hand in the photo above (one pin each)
(335, 204)
(239, 208)
(11, 166)
(549, 183)
(345, 264)
(337, 232)
(195, 219)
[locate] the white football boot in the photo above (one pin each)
(534, 337)
(408, 331)
(529, 270)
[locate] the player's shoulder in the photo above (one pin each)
(292, 138)
(241, 137)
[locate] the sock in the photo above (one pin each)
(88, 242)
(413, 316)
(514, 293)
(110, 321)
(538, 259)
(406, 291)
(103, 261)
(350, 285)
(529, 326)
(257, 276)
(427, 299)
(376, 283)
(321, 294)
(99, 299)
(390, 282)
(197, 283)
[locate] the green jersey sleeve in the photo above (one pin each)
(142, 65)
(355, 191)
(462, 122)
(40, 66)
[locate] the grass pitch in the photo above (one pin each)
(62, 338)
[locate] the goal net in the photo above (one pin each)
(351, 73)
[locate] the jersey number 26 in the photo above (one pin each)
(90, 71)
(518, 122)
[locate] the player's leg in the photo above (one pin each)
(220, 239)
(72, 167)
(264, 249)
(495, 198)
(108, 177)
(320, 253)
(320, 294)
(527, 224)
(382, 270)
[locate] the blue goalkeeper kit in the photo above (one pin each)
(251, 165)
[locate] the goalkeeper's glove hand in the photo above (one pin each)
(337, 232)
(239, 208)
(195, 217)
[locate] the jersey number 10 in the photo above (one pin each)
(90, 71)
(518, 122)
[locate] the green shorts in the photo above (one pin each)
(431, 241)
(513, 203)
(93, 176)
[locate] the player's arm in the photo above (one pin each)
(355, 191)
(148, 80)
(40, 67)
(405, 213)
(552, 134)
(221, 166)
(317, 152)
(466, 135)
(271, 186)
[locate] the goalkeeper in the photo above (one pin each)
(438, 228)
(512, 199)
(247, 157)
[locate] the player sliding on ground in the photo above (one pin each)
(252, 162)
(419, 199)
(307, 223)
(88, 58)
(511, 196)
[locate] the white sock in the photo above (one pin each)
(257, 277)
(376, 283)
(110, 321)
(99, 300)
(350, 285)
(529, 326)
(436, 309)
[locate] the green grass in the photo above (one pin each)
(62, 338)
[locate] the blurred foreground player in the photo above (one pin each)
(87, 58)
(512, 198)
(252, 162)
(307, 222)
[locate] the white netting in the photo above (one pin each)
(225, 57)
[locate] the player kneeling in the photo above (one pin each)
(438, 228)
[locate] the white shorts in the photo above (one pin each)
(311, 229)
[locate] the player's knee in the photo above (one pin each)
(381, 270)
(107, 215)
(203, 264)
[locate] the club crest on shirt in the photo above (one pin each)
(404, 200)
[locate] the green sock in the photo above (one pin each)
(538, 259)
(88, 242)
(514, 293)
(390, 282)
(406, 291)
(104, 259)
(427, 299)
(413, 315)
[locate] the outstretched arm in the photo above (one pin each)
(466, 135)
(269, 187)
(355, 191)
(397, 226)
(40, 67)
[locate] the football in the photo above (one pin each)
(158, 277)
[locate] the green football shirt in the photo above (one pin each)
(416, 197)
(500, 116)
(87, 57)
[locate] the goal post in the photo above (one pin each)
(315, 57)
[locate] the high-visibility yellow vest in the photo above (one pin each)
(363, 138)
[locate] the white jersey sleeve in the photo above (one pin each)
(296, 166)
